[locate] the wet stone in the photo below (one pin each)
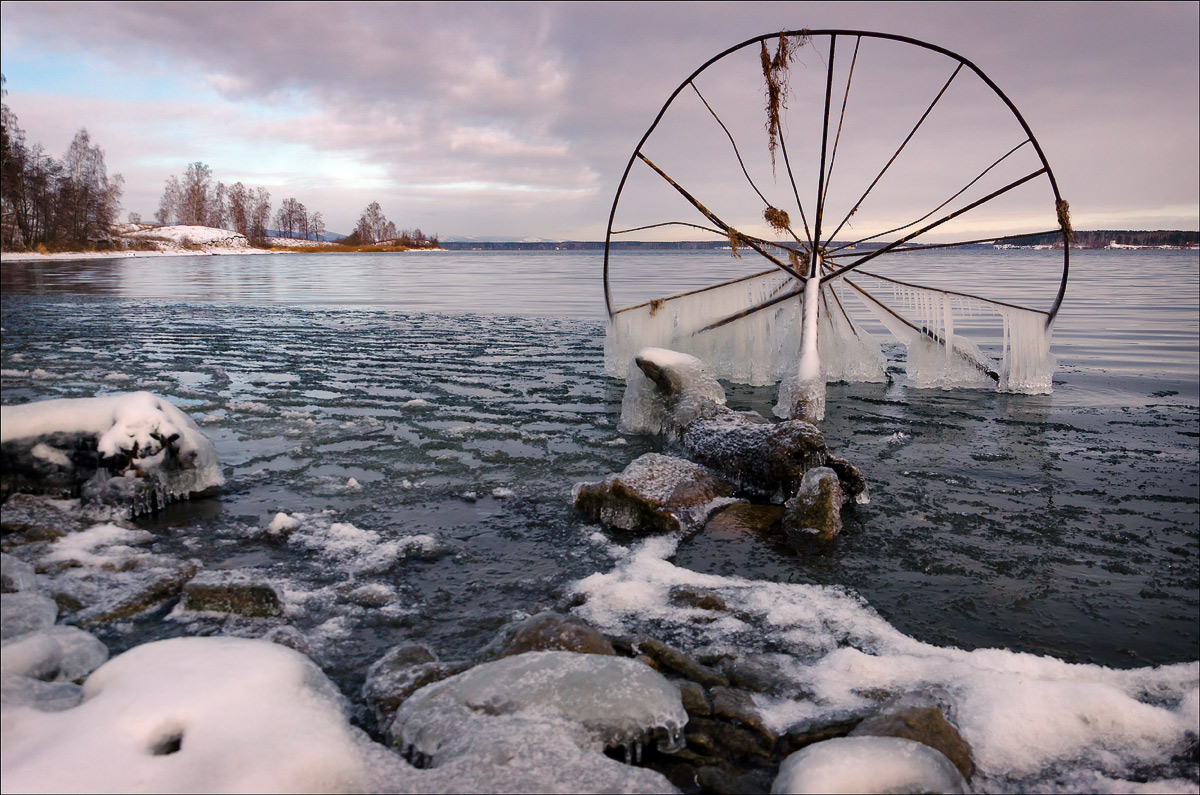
(161, 586)
(852, 480)
(925, 725)
(554, 632)
(824, 728)
(815, 513)
(231, 592)
(738, 705)
(729, 739)
(695, 700)
(764, 459)
(687, 596)
(745, 519)
(723, 781)
(760, 677)
(655, 494)
(675, 660)
(399, 673)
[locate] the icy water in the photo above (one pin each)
(428, 414)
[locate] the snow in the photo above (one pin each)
(362, 551)
(645, 409)
(867, 764)
(25, 612)
(135, 423)
(100, 545)
(194, 715)
(1029, 719)
(177, 241)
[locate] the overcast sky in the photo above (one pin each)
(516, 120)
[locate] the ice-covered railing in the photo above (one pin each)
(931, 323)
(938, 327)
(752, 350)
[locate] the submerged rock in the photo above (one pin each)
(234, 592)
(868, 764)
(655, 494)
(745, 518)
(816, 510)
(135, 450)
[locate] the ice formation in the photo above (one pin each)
(1031, 721)
(646, 408)
(764, 346)
(601, 701)
(146, 434)
(867, 764)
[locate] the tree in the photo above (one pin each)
(194, 199)
(239, 209)
(169, 206)
(373, 225)
(316, 226)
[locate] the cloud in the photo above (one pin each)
(479, 108)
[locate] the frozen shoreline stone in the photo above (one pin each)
(136, 450)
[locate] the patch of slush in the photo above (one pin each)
(1032, 721)
(359, 550)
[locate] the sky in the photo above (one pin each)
(511, 121)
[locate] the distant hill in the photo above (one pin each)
(1100, 238)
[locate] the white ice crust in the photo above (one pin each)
(1033, 722)
(867, 764)
(135, 422)
(644, 408)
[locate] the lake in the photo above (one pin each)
(460, 395)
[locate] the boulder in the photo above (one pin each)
(854, 485)
(655, 494)
(816, 510)
(764, 459)
(675, 660)
(74, 447)
(553, 632)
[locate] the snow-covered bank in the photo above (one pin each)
(156, 241)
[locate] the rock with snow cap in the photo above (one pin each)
(656, 493)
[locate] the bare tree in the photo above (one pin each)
(194, 201)
(170, 204)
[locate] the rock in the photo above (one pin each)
(727, 739)
(554, 632)
(744, 518)
(868, 764)
(151, 451)
(675, 660)
(767, 459)
(737, 705)
(759, 677)
(15, 575)
(923, 725)
(691, 597)
(27, 518)
(826, 727)
(816, 510)
(399, 673)
(655, 494)
(596, 700)
(854, 485)
(722, 781)
(695, 700)
(158, 586)
(665, 391)
(56, 653)
(25, 613)
(233, 592)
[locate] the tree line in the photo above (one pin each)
(71, 202)
(374, 227)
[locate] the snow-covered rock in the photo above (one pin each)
(867, 764)
(134, 449)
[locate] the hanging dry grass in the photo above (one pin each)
(775, 72)
(733, 242)
(1064, 218)
(798, 260)
(778, 219)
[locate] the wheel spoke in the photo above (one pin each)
(958, 244)
(694, 292)
(903, 144)
(841, 120)
(935, 224)
(824, 143)
(950, 292)
(770, 302)
(935, 209)
(924, 332)
(707, 213)
(732, 143)
(666, 223)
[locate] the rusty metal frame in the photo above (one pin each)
(815, 243)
